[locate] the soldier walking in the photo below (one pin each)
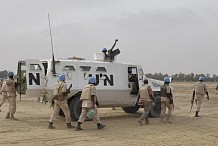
(60, 102)
(145, 97)
(89, 101)
(166, 100)
(199, 91)
(11, 95)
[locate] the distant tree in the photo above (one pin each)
(181, 77)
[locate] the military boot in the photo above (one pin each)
(69, 125)
(78, 127)
(140, 121)
(100, 126)
(13, 118)
(147, 120)
(168, 119)
(196, 114)
(50, 125)
(8, 116)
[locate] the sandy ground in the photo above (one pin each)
(121, 128)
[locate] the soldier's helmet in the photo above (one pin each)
(62, 77)
(92, 80)
(166, 80)
(10, 73)
(201, 78)
(104, 50)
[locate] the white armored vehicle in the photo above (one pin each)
(117, 84)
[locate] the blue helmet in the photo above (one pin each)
(10, 73)
(166, 80)
(201, 78)
(92, 80)
(62, 77)
(104, 50)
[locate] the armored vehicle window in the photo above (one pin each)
(141, 72)
(69, 67)
(35, 67)
(85, 68)
(101, 69)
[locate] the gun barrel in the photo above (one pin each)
(113, 45)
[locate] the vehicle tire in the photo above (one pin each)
(75, 108)
(155, 110)
(131, 110)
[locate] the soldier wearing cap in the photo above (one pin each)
(199, 91)
(89, 101)
(60, 102)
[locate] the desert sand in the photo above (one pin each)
(121, 128)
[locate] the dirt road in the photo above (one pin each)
(121, 129)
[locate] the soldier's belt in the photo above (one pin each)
(59, 97)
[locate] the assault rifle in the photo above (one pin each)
(192, 102)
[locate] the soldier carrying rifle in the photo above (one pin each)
(166, 100)
(199, 91)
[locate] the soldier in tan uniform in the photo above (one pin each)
(4, 93)
(166, 100)
(145, 97)
(89, 100)
(199, 91)
(11, 95)
(60, 102)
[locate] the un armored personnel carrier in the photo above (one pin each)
(117, 83)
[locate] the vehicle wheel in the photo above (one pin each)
(155, 110)
(75, 108)
(131, 110)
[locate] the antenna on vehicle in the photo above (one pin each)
(53, 60)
